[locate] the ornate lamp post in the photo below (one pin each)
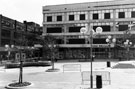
(52, 47)
(92, 33)
(127, 45)
(111, 41)
(8, 48)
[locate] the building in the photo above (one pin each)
(115, 18)
(12, 31)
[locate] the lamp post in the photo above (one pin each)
(52, 47)
(92, 32)
(127, 45)
(8, 48)
(111, 41)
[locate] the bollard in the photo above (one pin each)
(98, 81)
(108, 64)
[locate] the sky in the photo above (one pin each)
(31, 10)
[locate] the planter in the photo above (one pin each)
(16, 85)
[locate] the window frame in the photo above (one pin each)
(97, 16)
(49, 18)
(59, 17)
(71, 17)
(121, 15)
(82, 17)
(106, 15)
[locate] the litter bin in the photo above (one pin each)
(98, 81)
(108, 64)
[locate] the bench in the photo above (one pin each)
(104, 74)
(71, 68)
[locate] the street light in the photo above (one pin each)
(84, 31)
(8, 48)
(52, 47)
(127, 45)
(111, 41)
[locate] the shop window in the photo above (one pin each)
(54, 30)
(95, 16)
(59, 18)
(133, 14)
(106, 28)
(123, 27)
(49, 18)
(121, 14)
(71, 17)
(76, 41)
(74, 29)
(82, 16)
(107, 16)
(99, 41)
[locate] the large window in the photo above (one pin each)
(82, 16)
(106, 15)
(123, 27)
(133, 14)
(121, 14)
(95, 16)
(49, 18)
(106, 28)
(74, 29)
(59, 18)
(71, 17)
(76, 41)
(54, 30)
(99, 41)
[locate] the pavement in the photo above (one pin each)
(40, 79)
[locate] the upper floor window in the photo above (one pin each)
(133, 14)
(106, 15)
(82, 16)
(121, 14)
(95, 16)
(49, 18)
(71, 17)
(59, 18)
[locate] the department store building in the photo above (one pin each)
(117, 19)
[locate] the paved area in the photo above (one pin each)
(120, 78)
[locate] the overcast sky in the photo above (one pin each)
(31, 10)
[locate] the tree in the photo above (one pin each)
(50, 49)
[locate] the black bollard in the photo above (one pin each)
(98, 81)
(108, 64)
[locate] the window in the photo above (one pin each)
(107, 16)
(76, 41)
(95, 16)
(123, 27)
(74, 29)
(49, 18)
(82, 16)
(133, 14)
(71, 17)
(106, 28)
(99, 41)
(54, 30)
(59, 18)
(121, 14)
